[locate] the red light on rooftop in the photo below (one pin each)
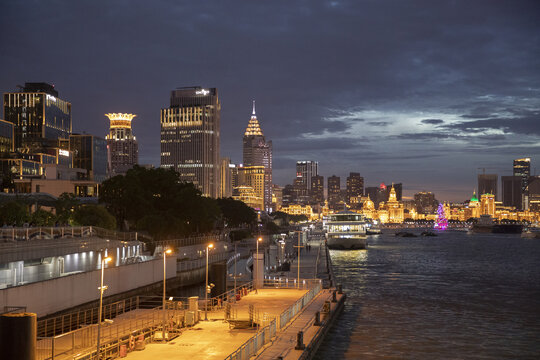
(383, 187)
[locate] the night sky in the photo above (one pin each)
(419, 92)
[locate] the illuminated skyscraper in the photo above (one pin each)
(40, 117)
(355, 186)
(305, 170)
(317, 189)
(190, 137)
(121, 143)
(334, 192)
(522, 168)
(89, 153)
(258, 152)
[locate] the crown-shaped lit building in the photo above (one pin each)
(258, 152)
(121, 144)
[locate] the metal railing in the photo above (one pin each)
(294, 309)
(255, 343)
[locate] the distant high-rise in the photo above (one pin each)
(226, 186)
(487, 184)
(122, 144)
(6, 137)
(89, 153)
(258, 152)
(253, 177)
(425, 202)
(40, 117)
(511, 191)
(355, 187)
(522, 168)
(190, 137)
(305, 170)
(334, 192)
(317, 189)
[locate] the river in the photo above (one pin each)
(454, 296)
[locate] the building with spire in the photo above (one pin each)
(257, 152)
(122, 145)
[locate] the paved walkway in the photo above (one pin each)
(286, 339)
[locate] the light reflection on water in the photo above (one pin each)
(452, 296)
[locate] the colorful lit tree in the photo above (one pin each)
(442, 221)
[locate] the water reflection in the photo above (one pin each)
(453, 296)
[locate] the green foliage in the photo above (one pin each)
(13, 213)
(237, 235)
(156, 201)
(65, 205)
(280, 215)
(236, 213)
(272, 228)
(94, 215)
(298, 218)
(42, 217)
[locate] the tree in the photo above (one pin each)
(94, 215)
(13, 213)
(235, 212)
(157, 201)
(42, 217)
(65, 204)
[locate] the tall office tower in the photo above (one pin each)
(39, 116)
(317, 189)
(355, 186)
(522, 168)
(511, 191)
(288, 195)
(305, 170)
(487, 204)
(487, 184)
(534, 193)
(190, 137)
(122, 144)
(425, 202)
(334, 192)
(258, 152)
(226, 186)
(89, 153)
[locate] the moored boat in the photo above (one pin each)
(346, 230)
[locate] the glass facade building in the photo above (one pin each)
(6, 137)
(89, 153)
(190, 137)
(38, 115)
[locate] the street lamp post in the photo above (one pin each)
(235, 266)
(167, 252)
(257, 267)
(101, 290)
(298, 247)
(208, 247)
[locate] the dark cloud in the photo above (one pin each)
(379, 123)
(432, 121)
(304, 62)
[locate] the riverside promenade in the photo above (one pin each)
(279, 310)
(263, 322)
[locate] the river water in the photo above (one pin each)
(454, 296)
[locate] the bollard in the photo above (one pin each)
(334, 298)
(317, 319)
(300, 341)
(18, 336)
(339, 289)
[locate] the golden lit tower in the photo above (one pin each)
(258, 152)
(121, 144)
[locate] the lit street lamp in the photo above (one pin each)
(168, 251)
(101, 290)
(206, 290)
(257, 267)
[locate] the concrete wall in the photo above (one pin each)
(50, 296)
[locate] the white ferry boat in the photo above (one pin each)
(346, 230)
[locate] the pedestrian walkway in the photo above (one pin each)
(286, 339)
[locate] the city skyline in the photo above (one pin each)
(445, 91)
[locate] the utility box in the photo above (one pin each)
(190, 318)
(193, 303)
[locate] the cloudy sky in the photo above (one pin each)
(418, 92)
